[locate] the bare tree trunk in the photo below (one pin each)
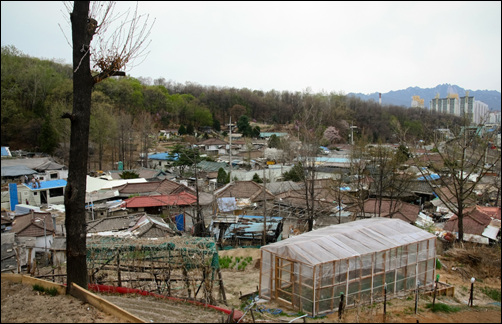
(82, 33)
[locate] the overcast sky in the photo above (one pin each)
(322, 46)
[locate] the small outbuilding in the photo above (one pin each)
(311, 271)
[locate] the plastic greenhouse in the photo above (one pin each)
(309, 272)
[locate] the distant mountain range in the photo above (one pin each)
(403, 97)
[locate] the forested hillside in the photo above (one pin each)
(36, 92)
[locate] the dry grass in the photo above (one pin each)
(474, 260)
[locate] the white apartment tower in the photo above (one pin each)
(476, 110)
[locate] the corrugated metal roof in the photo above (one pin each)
(210, 166)
(180, 199)
(41, 164)
(16, 170)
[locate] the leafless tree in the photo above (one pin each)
(463, 161)
(359, 170)
(110, 55)
(310, 130)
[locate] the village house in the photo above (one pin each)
(213, 146)
(481, 224)
(179, 208)
(45, 167)
(387, 208)
(50, 192)
(35, 225)
(247, 194)
(161, 161)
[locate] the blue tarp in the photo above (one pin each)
(429, 177)
(6, 151)
(13, 195)
(180, 222)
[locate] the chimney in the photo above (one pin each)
(380, 98)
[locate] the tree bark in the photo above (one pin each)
(77, 173)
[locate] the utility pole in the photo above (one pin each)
(264, 238)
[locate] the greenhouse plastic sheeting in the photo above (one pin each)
(347, 240)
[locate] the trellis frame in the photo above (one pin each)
(172, 266)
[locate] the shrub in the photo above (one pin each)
(440, 307)
(49, 291)
(225, 262)
(492, 293)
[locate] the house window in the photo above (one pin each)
(54, 175)
(56, 192)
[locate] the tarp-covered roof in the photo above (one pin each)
(342, 241)
(16, 171)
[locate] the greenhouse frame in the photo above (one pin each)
(311, 271)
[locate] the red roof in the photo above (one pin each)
(475, 221)
(181, 199)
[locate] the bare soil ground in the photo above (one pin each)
(21, 304)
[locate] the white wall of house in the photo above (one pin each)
(53, 175)
(52, 196)
(37, 246)
(157, 164)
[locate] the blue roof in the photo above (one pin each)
(50, 184)
(164, 156)
(334, 159)
(268, 134)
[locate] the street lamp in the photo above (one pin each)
(471, 298)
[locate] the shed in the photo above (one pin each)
(246, 229)
(309, 272)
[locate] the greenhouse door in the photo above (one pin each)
(284, 281)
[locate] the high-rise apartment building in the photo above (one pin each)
(476, 110)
